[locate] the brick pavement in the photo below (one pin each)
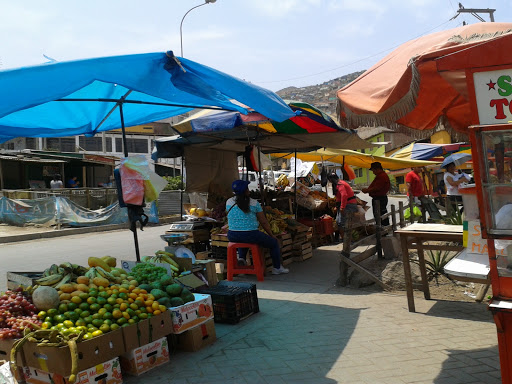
(310, 331)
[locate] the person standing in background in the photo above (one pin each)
(345, 202)
(73, 182)
(378, 190)
(56, 183)
(415, 185)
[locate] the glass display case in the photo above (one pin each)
(493, 167)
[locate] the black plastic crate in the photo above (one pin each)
(233, 301)
(219, 252)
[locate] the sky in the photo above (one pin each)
(272, 43)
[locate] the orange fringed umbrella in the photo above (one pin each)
(406, 89)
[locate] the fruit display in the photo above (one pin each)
(99, 309)
(17, 313)
(169, 293)
(276, 219)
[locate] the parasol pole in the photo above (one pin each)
(295, 189)
(181, 190)
(133, 225)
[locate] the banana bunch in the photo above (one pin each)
(50, 338)
(100, 272)
(57, 275)
(282, 181)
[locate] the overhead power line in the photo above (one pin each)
(352, 63)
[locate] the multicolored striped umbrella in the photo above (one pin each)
(308, 119)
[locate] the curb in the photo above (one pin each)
(79, 231)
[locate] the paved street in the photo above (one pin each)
(308, 330)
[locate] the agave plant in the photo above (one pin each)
(435, 261)
(454, 218)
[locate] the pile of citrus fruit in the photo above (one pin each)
(100, 309)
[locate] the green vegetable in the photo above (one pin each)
(146, 273)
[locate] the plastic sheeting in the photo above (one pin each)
(60, 210)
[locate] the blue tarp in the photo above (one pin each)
(29, 106)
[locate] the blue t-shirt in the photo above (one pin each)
(238, 220)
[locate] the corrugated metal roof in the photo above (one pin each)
(30, 159)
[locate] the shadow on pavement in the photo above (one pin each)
(460, 310)
(463, 366)
(294, 341)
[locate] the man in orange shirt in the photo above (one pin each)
(345, 201)
(378, 190)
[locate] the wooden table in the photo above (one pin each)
(413, 237)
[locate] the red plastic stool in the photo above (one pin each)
(257, 268)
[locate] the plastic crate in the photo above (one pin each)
(233, 301)
(219, 252)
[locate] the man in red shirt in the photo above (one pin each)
(415, 186)
(345, 201)
(378, 190)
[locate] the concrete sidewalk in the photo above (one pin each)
(310, 331)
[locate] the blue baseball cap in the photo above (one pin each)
(239, 186)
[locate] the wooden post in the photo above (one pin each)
(411, 208)
(345, 252)
(378, 228)
(393, 218)
(401, 213)
(447, 205)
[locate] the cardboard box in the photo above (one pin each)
(5, 351)
(210, 272)
(91, 353)
(196, 338)
(190, 281)
(192, 314)
(25, 279)
(108, 372)
(147, 331)
(144, 358)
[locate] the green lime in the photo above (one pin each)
(41, 315)
(63, 308)
(107, 321)
(96, 316)
(93, 293)
(108, 307)
(114, 327)
(130, 311)
(80, 322)
(143, 316)
(123, 296)
(107, 315)
(136, 319)
(68, 323)
(54, 328)
(48, 319)
(122, 321)
(85, 314)
(84, 306)
(73, 316)
(104, 328)
(88, 320)
(52, 312)
(103, 295)
(72, 306)
(101, 300)
(95, 307)
(46, 325)
(59, 319)
(97, 322)
(87, 336)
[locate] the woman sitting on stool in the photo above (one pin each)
(244, 216)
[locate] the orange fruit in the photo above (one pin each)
(134, 306)
(149, 309)
(126, 315)
(157, 312)
(155, 305)
(116, 314)
(162, 308)
(148, 303)
(76, 300)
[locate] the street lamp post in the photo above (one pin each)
(181, 24)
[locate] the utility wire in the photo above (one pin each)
(352, 63)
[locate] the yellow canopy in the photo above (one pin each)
(354, 158)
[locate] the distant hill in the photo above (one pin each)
(322, 95)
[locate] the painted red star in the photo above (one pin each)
(491, 85)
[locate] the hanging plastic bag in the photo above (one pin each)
(139, 183)
(416, 212)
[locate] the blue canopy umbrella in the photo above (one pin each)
(456, 158)
(80, 97)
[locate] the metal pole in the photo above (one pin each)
(181, 24)
(295, 189)
(181, 190)
(133, 225)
